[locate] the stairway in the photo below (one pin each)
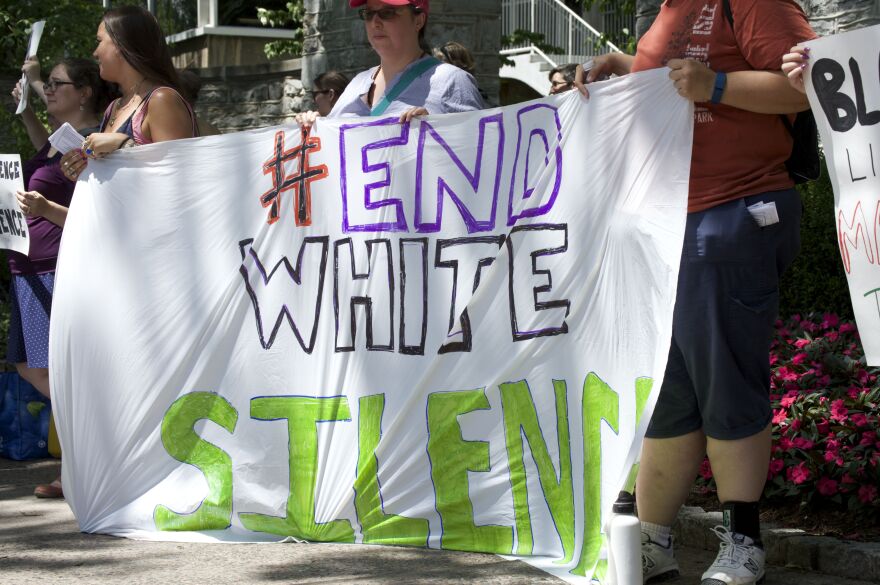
(560, 27)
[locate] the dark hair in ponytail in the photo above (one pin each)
(137, 35)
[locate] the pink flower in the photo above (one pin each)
(847, 478)
(789, 398)
(847, 328)
(776, 466)
(826, 486)
(830, 456)
(859, 419)
(801, 343)
(786, 375)
(830, 320)
(785, 443)
(799, 358)
(796, 425)
(832, 336)
(796, 318)
(798, 474)
(809, 326)
(779, 416)
(823, 427)
(839, 411)
(853, 392)
(832, 445)
(705, 469)
(824, 380)
(867, 494)
(802, 443)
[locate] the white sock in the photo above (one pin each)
(662, 535)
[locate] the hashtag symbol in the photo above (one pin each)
(300, 182)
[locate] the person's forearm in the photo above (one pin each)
(622, 63)
(763, 92)
(55, 213)
(35, 129)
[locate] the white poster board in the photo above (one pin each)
(14, 233)
(844, 91)
(33, 45)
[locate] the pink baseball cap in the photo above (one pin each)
(420, 4)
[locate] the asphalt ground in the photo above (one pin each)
(40, 544)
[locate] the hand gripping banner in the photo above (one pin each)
(447, 333)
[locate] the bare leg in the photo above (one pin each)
(37, 377)
(740, 466)
(666, 473)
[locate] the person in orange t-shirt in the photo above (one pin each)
(742, 232)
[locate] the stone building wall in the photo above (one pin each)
(252, 96)
(336, 39)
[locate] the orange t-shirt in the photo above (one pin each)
(736, 153)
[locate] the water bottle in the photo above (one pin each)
(625, 543)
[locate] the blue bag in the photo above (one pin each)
(24, 419)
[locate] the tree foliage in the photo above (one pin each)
(291, 16)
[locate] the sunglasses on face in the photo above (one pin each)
(52, 84)
(383, 13)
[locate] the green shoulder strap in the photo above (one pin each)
(404, 82)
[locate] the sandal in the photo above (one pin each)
(49, 490)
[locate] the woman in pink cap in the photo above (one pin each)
(408, 81)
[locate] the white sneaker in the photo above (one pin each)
(739, 562)
(658, 562)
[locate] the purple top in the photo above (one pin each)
(43, 174)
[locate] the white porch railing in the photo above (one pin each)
(560, 26)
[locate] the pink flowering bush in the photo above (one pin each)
(826, 449)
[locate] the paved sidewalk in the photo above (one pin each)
(40, 544)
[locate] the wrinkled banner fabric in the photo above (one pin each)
(845, 109)
(437, 334)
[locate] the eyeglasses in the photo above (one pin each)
(383, 13)
(52, 85)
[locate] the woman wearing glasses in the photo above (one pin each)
(132, 54)
(74, 94)
(408, 81)
(326, 89)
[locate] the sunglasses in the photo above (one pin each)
(383, 13)
(52, 85)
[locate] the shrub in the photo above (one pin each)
(816, 281)
(826, 448)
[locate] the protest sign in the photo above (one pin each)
(444, 333)
(844, 92)
(33, 45)
(14, 233)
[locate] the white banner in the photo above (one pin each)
(442, 333)
(14, 233)
(844, 92)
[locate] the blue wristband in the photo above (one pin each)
(720, 84)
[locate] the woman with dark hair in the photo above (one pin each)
(132, 53)
(74, 94)
(456, 54)
(408, 82)
(326, 89)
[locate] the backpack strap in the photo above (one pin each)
(404, 82)
(728, 13)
